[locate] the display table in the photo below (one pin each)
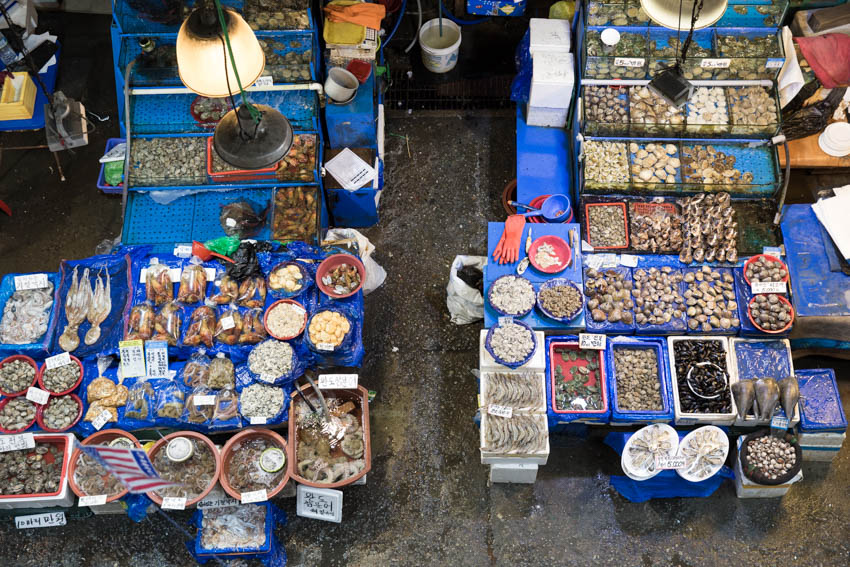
(805, 153)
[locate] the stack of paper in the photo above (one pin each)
(833, 213)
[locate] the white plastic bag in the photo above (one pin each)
(466, 304)
(375, 274)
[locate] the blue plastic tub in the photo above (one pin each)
(820, 402)
(101, 181)
(560, 417)
(629, 417)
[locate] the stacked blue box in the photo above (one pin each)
(623, 416)
(823, 424)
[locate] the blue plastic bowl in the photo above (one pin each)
(555, 282)
(556, 203)
(505, 313)
(504, 362)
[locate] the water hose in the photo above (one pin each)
(395, 28)
(418, 27)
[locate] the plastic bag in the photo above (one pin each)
(141, 400)
(562, 10)
(201, 327)
(375, 274)
(196, 372)
(240, 219)
(199, 407)
(252, 292)
(224, 245)
(229, 326)
(800, 121)
(193, 284)
(140, 324)
(158, 286)
(253, 329)
(465, 303)
(222, 374)
(228, 290)
(226, 410)
(288, 279)
(168, 323)
(245, 262)
(169, 402)
(113, 173)
(521, 85)
(247, 387)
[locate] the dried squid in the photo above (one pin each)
(77, 303)
(99, 308)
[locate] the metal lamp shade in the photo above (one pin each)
(246, 145)
(667, 13)
(203, 63)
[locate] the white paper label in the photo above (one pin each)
(258, 420)
(610, 260)
(715, 63)
(591, 341)
(56, 361)
(227, 322)
(337, 381)
(774, 63)
(173, 503)
(30, 281)
(500, 411)
(319, 503)
(593, 261)
(156, 356)
(132, 358)
(350, 170)
(255, 496)
(183, 250)
(40, 520)
(210, 273)
(775, 251)
(217, 498)
(628, 260)
(505, 321)
(628, 61)
(38, 395)
(666, 462)
(264, 81)
(324, 346)
(16, 442)
(769, 287)
(779, 422)
(174, 274)
(98, 500)
(101, 420)
(204, 400)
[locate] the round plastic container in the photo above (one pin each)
(39, 414)
(505, 313)
(3, 403)
(98, 438)
(776, 332)
(626, 460)
(439, 52)
(684, 443)
(26, 359)
(43, 369)
(766, 257)
(246, 435)
(160, 446)
(556, 282)
(275, 304)
(331, 262)
(505, 362)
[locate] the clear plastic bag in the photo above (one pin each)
(158, 286)
(228, 291)
(140, 324)
(193, 284)
(140, 400)
(226, 406)
(229, 326)
(169, 400)
(199, 406)
(168, 323)
(253, 330)
(252, 292)
(196, 372)
(222, 374)
(240, 219)
(201, 327)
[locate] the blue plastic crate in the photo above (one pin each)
(165, 16)
(820, 402)
(514, 8)
(101, 180)
(7, 288)
(605, 327)
(268, 528)
(558, 418)
(714, 331)
(628, 417)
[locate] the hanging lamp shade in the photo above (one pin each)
(201, 55)
(676, 14)
(242, 143)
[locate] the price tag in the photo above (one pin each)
(594, 261)
(591, 341)
(210, 273)
(505, 321)
(56, 361)
(173, 503)
(156, 356)
(774, 63)
(666, 462)
(40, 520)
(174, 274)
(183, 250)
(324, 346)
(230, 222)
(769, 287)
(16, 442)
(38, 395)
(715, 63)
(264, 81)
(101, 420)
(629, 61)
(775, 251)
(628, 260)
(319, 503)
(779, 422)
(30, 281)
(132, 358)
(255, 496)
(585, 247)
(500, 411)
(217, 498)
(227, 322)
(204, 401)
(98, 500)
(337, 381)
(258, 420)
(610, 260)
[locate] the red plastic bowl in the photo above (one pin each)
(360, 69)
(766, 257)
(562, 250)
(31, 362)
(275, 304)
(43, 369)
(40, 411)
(783, 329)
(3, 403)
(332, 262)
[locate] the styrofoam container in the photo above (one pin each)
(514, 473)
(539, 379)
(745, 488)
(493, 458)
(546, 117)
(548, 35)
(63, 497)
(821, 446)
(486, 363)
(552, 81)
(681, 418)
(751, 421)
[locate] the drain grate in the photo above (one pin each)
(410, 93)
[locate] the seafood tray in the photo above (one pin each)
(744, 293)
(716, 327)
(62, 496)
(598, 123)
(513, 440)
(718, 418)
(525, 392)
(486, 362)
(624, 324)
(763, 358)
(663, 412)
(576, 380)
(820, 402)
(754, 14)
(720, 54)
(7, 290)
(268, 530)
(628, 13)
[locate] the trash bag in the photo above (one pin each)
(375, 274)
(562, 10)
(245, 263)
(241, 219)
(465, 303)
(521, 85)
(800, 121)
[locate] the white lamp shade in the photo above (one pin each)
(667, 13)
(202, 60)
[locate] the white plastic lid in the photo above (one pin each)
(272, 460)
(610, 37)
(179, 449)
(838, 133)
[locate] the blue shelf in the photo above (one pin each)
(542, 160)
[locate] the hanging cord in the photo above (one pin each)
(695, 11)
(27, 56)
(242, 133)
(255, 114)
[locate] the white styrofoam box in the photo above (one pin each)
(548, 35)
(518, 473)
(821, 446)
(751, 421)
(539, 379)
(110, 508)
(536, 364)
(682, 418)
(546, 117)
(745, 488)
(552, 81)
(63, 497)
(494, 458)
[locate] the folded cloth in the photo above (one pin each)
(828, 56)
(364, 14)
(343, 33)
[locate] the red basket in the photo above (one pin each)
(39, 415)
(275, 304)
(766, 257)
(26, 359)
(237, 174)
(776, 332)
(600, 379)
(587, 224)
(62, 442)
(3, 403)
(43, 369)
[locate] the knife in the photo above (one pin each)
(528, 241)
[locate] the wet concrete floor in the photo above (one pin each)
(427, 500)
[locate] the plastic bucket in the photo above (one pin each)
(439, 52)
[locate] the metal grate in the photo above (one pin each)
(413, 93)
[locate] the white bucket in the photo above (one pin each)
(439, 52)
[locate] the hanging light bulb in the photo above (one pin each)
(676, 14)
(202, 60)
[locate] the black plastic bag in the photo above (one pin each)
(241, 219)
